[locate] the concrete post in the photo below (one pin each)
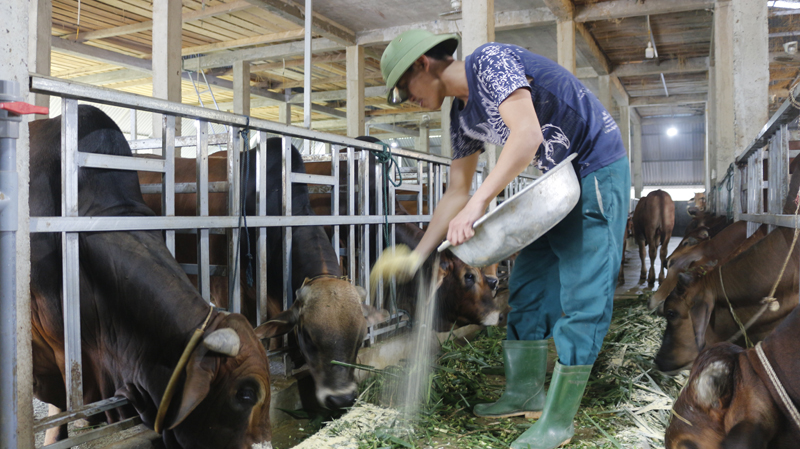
(604, 92)
(355, 90)
(636, 150)
(241, 87)
(40, 22)
(423, 142)
(285, 109)
(741, 54)
(565, 30)
(166, 56)
(710, 156)
(447, 147)
(625, 127)
(478, 19)
(16, 386)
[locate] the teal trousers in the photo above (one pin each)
(562, 285)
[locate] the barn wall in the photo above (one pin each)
(673, 161)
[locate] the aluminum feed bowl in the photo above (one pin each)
(522, 218)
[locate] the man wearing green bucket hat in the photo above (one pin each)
(563, 284)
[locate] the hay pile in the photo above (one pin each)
(627, 403)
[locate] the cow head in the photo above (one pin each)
(466, 295)
(678, 264)
(330, 321)
(224, 399)
(688, 310)
(725, 405)
(699, 412)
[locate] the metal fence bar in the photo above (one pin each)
(351, 211)
(234, 210)
(261, 260)
(378, 175)
(180, 141)
(335, 191)
(168, 178)
(106, 161)
(363, 209)
(69, 89)
(82, 412)
(185, 187)
(95, 434)
(286, 180)
(73, 369)
(203, 279)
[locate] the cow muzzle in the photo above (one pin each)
(337, 399)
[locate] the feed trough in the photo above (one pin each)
(522, 218)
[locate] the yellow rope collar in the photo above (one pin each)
(173, 380)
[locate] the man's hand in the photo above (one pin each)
(460, 229)
(398, 261)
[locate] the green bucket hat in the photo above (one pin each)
(403, 51)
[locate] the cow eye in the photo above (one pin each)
(247, 394)
(671, 314)
(469, 279)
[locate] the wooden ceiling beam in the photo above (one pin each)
(295, 13)
(244, 42)
(619, 9)
(289, 49)
(506, 20)
(562, 9)
(139, 27)
(691, 65)
(588, 46)
(671, 100)
(318, 81)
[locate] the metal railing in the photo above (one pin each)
(759, 193)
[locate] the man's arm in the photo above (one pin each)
(451, 203)
(526, 135)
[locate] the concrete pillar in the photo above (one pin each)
(241, 87)
(355, 90)
(285, 109)
(166, 56)
(478, 19)
(625, 127)
(423, 141)
(710, 156)
(40, 22)
(447, 146)
(16, 385)
(636, 152)
(741, 54)
(604, 92)
(565, 35)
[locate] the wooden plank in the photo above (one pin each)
(227, 8)
(562, 9)
(669, 66)
(318, 81)
(673, 99)
(244, 42)
(591, 51)
(221, 59)
(99, 54)
(618, 9)
(320, 25)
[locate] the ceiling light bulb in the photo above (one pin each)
(672, 132)
(394, 144)
(649, 53)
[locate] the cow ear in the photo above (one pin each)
(701, 316)
(373, 315)
(280, 325)
(199, 374)
(445, 264)
(684, 280)
(713, 385)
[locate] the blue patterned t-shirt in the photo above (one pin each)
(572, 118)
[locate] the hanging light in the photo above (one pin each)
(649, 52)
(672, 132)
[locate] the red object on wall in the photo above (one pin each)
(22, 108)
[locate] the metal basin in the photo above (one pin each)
(522, 218)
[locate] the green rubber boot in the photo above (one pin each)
(556, 427)
(525, 366)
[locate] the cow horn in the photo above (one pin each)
(224, 341)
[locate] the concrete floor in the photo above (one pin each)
(631, 266)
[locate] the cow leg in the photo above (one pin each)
(641, 257)
(664, 245)
(653, 248)
(54, 434)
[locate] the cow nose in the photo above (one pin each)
(340, 401)
(492, 282)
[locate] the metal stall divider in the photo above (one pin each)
(261, 242)
(203, 248)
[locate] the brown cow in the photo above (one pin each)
(138, 311)
(327, 315)
(697, 310)
(731, 402)
(724, 246)
(466, 295)
(653, 221)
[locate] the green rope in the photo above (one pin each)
(386, 158)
